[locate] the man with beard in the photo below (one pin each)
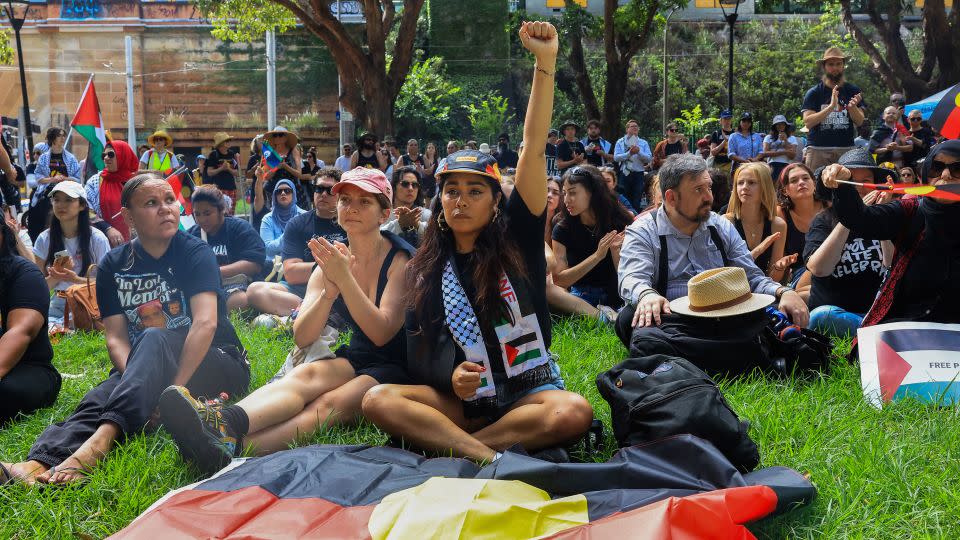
(598, 148)
(663, 249)
(367, 155)
(506, 158)
(832, 110)
(298, 262)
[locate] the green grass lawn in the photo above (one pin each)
(880, 474)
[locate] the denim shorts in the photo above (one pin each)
(299, 290)
(505, 401)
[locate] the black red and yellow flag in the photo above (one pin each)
(679, 487)
(946, 116)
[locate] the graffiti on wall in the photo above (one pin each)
(81, 9)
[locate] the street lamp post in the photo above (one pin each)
(731, 19)
(23, 6)
(666, 88)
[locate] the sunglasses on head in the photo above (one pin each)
(937, 167)
(108, 155)
(323, 190)
(284, 191)
(408, 184)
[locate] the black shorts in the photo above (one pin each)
(372, 362)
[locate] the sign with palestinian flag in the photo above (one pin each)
(946, 116)
(910, 359)
(678, 487)
(89, 124)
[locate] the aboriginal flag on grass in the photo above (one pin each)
(677, 487)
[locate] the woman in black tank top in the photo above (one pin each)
(799, 204)
(368, 278)
(752, 210)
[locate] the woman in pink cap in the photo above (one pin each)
(365, 284)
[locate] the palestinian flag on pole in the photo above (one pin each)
(88, 123)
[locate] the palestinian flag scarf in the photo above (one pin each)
(523, 352)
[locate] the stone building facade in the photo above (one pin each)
(180, 71)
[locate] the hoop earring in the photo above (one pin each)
(442, 223)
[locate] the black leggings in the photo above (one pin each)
(128, 399)
(26, 388)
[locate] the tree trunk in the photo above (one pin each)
(369, 89)
(613, 100)
(940, 41)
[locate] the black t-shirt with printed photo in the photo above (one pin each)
(156, 293)
(854, 282)
(57, 165)
(225, 179)
(235, 241)
(837, 129)
(302, 228)
(566, 150)
(25, 288)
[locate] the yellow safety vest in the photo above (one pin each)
(156, 163)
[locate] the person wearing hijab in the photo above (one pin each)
(275, 222)
(921, 285)
(120, 163)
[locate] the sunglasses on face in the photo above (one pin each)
(323, 190)
(915, 119)
(409, 185)
(671, 130)
(937, 167)
(284, 191)
(277, 135)
(108, 155)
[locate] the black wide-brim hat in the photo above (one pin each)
(861, 158)
(567, 124)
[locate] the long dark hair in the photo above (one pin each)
(398, 176)
(494, 254)
(607, 210)
(8, 250)
(786, 204)
(57, 241)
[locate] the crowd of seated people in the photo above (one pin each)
(448, 298)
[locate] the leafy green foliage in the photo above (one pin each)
(424, 105)
(245, 20)
(6, 50)
(693, 121)
(489, 117)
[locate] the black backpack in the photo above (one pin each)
(659, 396)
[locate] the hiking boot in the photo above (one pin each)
(198, 428)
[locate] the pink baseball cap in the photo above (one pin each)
(369, 180)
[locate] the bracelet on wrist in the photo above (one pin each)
(541, 70)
